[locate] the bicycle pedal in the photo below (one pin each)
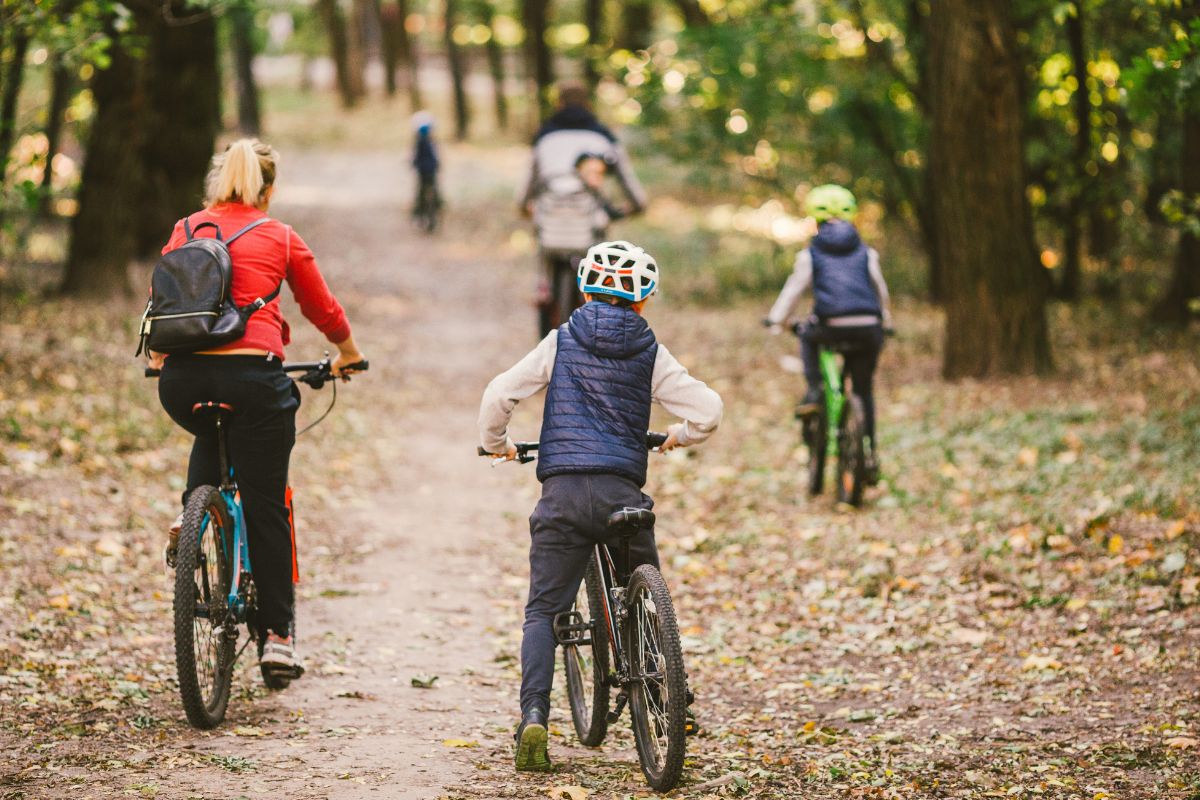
(618, 707)
(570, 629)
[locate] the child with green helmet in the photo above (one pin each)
(851, 304)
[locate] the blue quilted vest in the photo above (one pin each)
(841, 278)
(598, 402)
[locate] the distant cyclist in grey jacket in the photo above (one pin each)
(569, 133)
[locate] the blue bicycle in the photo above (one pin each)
(214, 584)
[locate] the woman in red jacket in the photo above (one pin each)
(248, 375)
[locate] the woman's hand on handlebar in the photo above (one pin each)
(670, 444)
(348, 355)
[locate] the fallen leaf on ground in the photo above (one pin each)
(1041, 662)
(423, 681)
(568, 792)
(459, 743)
(1182, 742)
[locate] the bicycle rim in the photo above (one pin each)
(203, 651)
(586, 666)
(815, 439)
(851, 465)
(658, 682)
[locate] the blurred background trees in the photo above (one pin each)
(1008, 155)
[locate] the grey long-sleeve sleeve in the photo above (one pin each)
(797, 283)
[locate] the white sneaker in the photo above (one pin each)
(172, 548)
(279, 656)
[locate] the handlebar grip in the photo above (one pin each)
(654, 439)
(482, 452)
(360, 366)
(151, 372)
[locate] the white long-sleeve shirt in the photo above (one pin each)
(670, 386)
(801, 278)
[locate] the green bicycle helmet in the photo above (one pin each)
(830, 200)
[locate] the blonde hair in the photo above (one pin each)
(242, 174)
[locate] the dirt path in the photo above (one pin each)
(434, 324)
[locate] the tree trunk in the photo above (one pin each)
(409, 54)
(361, 27)
(1176, 305)
(335, 25)
(182, 118)
(241, 17)
(995, 292)
(13, 77)
(1070, 284)
(593, 18)
(495, 59)
(693, 14)
(538, 63)
(454, 58)
(60, 94)
(389, 24)
(637, 20)
(104, 232)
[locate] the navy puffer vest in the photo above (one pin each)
(598, 402)
(841, 276)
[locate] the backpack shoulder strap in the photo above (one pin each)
(247, 229)
(259, 302)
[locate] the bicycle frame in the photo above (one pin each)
(835, 397)
(236, 600)
(613, 614)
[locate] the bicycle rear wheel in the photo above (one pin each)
(815, 434)
(852, 470)
(203, 571)
(658, 681)
(587, 666)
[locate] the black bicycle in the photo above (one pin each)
(214, 584)
(427, 211)
(622, 634)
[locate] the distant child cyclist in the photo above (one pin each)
(604, 368)
(425, 162)
(851, 303)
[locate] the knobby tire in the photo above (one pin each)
(658, 702)
(203, 683)
(587, 666)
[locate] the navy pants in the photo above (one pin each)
(261, 433)
(860, 362)
(569, 520)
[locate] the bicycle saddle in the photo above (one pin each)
(632, 518)
(211, 407)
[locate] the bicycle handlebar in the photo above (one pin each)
(316, 373)
(654, 441)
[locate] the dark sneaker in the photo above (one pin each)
(171, 552)
(811, 404)
(530, 738)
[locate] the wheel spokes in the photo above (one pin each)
(651, 665)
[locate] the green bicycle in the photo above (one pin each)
(838, 427)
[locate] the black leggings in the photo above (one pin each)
(860, 362)
(261, 433)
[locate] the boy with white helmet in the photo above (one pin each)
(602, 370)
(850, 303)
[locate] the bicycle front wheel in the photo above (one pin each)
(587, 665)
(852, 471)
(203, 571)
(658, 681)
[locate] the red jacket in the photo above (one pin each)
(261, 259)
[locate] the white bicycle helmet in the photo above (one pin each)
(422, 119)
(619, 269)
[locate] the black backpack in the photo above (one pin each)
(190, 306)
